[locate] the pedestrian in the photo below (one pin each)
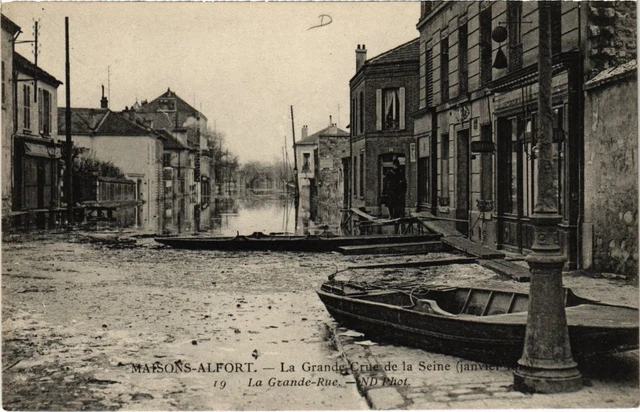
(394, 190)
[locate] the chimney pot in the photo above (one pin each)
(361, 57)
(104, 102)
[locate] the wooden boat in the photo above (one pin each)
(480, 324)
(260, 241)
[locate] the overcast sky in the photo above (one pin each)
(242, 64)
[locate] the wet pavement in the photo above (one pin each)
(101, 326)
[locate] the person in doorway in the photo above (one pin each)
(394, 190)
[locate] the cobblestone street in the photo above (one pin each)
(139, 326)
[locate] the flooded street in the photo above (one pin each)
(252, 214)
(148, 328)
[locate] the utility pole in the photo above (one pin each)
(69, 142)
(546, 365)
(295, 170)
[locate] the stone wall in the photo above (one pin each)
(330, 181)
(610, 232)
(611, 34)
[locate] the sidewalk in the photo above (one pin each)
(399, 377)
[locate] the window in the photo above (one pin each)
(361, 174)
(166, 160)
(444, 69)
(355, 176)
(354, 126)
(485, 46)
(306, 162)
(26, 106)
(44, 112)
(424, 179)
(444, 166)
(429, 77)
(390, 109)
(556, 26)
(361, 113)
(463, 65)
(514, 17)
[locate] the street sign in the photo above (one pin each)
(482, 147)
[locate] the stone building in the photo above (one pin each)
(384, 93)
(610, 226)
(322, 174)
(476, 120)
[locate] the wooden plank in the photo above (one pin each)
(440, 228)
(392, 248)
(422, 263)
(474, 249)
(362, 214)
(506, 268)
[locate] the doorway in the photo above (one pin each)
(462, 182)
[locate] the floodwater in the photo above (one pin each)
(231, 216)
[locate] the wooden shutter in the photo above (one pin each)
(378, 109)
(402, 110)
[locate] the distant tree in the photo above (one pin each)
(86, 163)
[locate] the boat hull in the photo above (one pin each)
(472, 337)
(286, 243)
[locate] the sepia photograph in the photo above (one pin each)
(408, 205)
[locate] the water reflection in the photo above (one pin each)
(231, 216)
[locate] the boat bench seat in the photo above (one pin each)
(430, 306)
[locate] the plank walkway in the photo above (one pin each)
(393, 248)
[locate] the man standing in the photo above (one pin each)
(394, 190)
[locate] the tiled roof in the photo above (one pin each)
(181, 105)
(99, 122)
(612, 74)
(25, 66)
(405, 52)
(331, 131)
(169, 141)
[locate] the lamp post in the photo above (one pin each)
(546, 365)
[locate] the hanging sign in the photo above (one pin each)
(482, 147)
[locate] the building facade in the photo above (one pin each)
(10, 32)
(36, 151)
(384, 91)
(322, 175)
(135, 149)
(476, 121)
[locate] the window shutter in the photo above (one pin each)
(378, 109)
(401, 99)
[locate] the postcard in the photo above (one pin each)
(319, 205)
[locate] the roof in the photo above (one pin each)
(100, 122)
(181, 105)
(169, 141)
(612, 74)
(9, 25)
(25, 66)
(408, 51)
(331, 131)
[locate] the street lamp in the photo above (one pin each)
(546, 365)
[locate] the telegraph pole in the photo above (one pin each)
(295, 171)
(69, 142)
(546, 365)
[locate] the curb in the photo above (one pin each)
(381, 398)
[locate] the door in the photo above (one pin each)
(462, 182)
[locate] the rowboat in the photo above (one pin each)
(481, 324)
(261, 242)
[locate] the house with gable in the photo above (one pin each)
(137, 150)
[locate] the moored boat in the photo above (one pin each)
(480, 324)
(291, 243)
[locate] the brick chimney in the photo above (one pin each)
(305, 132)
(361, 56)
(104, 103)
